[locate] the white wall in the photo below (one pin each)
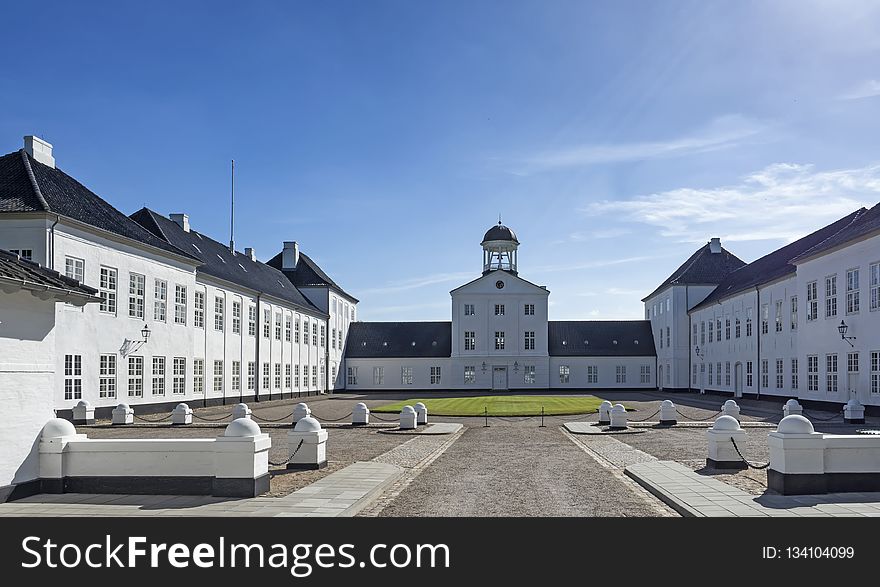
(607, 372)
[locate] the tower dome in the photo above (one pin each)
(499, 249)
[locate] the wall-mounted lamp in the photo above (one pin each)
(842, 330)
(515, 366)
(130, 346)
(484, 366)
(699, 352)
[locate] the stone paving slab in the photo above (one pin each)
(441, 428)
(343, 493)
(695, 495)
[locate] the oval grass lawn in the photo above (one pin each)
(500, 405)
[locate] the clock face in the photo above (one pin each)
(499, 284)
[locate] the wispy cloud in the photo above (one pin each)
(593, 264)
(582, 236)
(866, 89)
(417, 282)
(720, 133)
(397, 311)
(783, 201)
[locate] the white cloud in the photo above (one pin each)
(417, 282)
(866, 89)
(396, 311)
(783, 201)
(720, 133)
(592, 264)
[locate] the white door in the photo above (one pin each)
(852, 381)
(499, 378)
(738, 380)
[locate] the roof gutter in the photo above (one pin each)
(56, 291)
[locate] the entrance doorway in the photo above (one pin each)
(738, 380)
(499, 378)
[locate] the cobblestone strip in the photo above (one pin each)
(614, 456)
(414, 456)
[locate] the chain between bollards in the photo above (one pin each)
(748, 464)
(152, 421)
(287, 460)
(256, 417)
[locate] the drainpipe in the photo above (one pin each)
(687, 303)
(758, 364)
(52, 242)
(258, 368)
(205, 354)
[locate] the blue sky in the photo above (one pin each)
(387, 136)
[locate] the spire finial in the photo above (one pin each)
(499, 219)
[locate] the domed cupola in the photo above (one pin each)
(499, 249)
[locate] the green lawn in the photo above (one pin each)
(500, 405)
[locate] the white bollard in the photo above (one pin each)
(122, 414)
(730, 408)
(300, 411)
(791, 408)
(181, 414)
(618, 417)
(797, 458)
(312, 454)
(83, 413)
(722, 454)
(241, 411)
(668, 413)
(854, 412)
(360, 415)
(54, 437)
(421, 413)
(605, 413)
(408, 418)
(241, 460)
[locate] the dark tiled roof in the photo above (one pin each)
(866, 222)
(499, 232)
(703, 267)
(15, 268)
(596, 338)
(308, 274)
(218, 261)
(27, 185)
(776, 264)
(373, 340)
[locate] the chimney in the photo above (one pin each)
(39, 150)
(249, 252)
(715, 245)
(182, 221)
(290, 256)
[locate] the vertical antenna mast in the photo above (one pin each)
(232, 214)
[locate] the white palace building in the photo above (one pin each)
(179, 317)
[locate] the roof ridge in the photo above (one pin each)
(152, 215)
(33, 179)
(857, 216)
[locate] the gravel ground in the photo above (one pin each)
(516, 471)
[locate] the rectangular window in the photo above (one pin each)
(267, 375)
(668, 373)
(136, 293)
(323, 335)
(711, 331)
(778, 315)
(135, 376)
(694, 337)
(158, 375)
(235, 382)
(378, 375)
(469, 310)
(199, 312)
(831, 296)
(107, 289)
(794, 373)
(748, 322)
(352, 375)
(875, 371)
(499, 340)
(26, 254)
(852, 291)
(694, 375)
(406, 375)
(218, 313)
(288, 328)
(875, 286)
(277, 376)
(435, 375)
(218, 376)
(780, 373)
(852, 362)
(178, 374)
(288, 375)
(107, 376)
(667, 336)
(529, 374)
(737, 328)
(749, 380)
(499, 309)
(668, 304)
(470, 340)
(314, 376)
(160, 299)
(765, 319)
(74, 268)
(180, 304)
(812, 301)
(645, 373)
(765, 373)
(831, 372)
(277, 325)
(470, 374)
(296, 375)
(794, 313)
(252, 375)
(296, 330)
(727, 329)
(252, 320)
(530, 340)
(592, 373)
(236, 317)
(530, 309)
(199, 376)
(564, 373)
(620, 373)
(812, 373)
(267, 322)
(711, 371)
(727, 373)
(702, 333)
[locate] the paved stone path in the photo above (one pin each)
(695, 495)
